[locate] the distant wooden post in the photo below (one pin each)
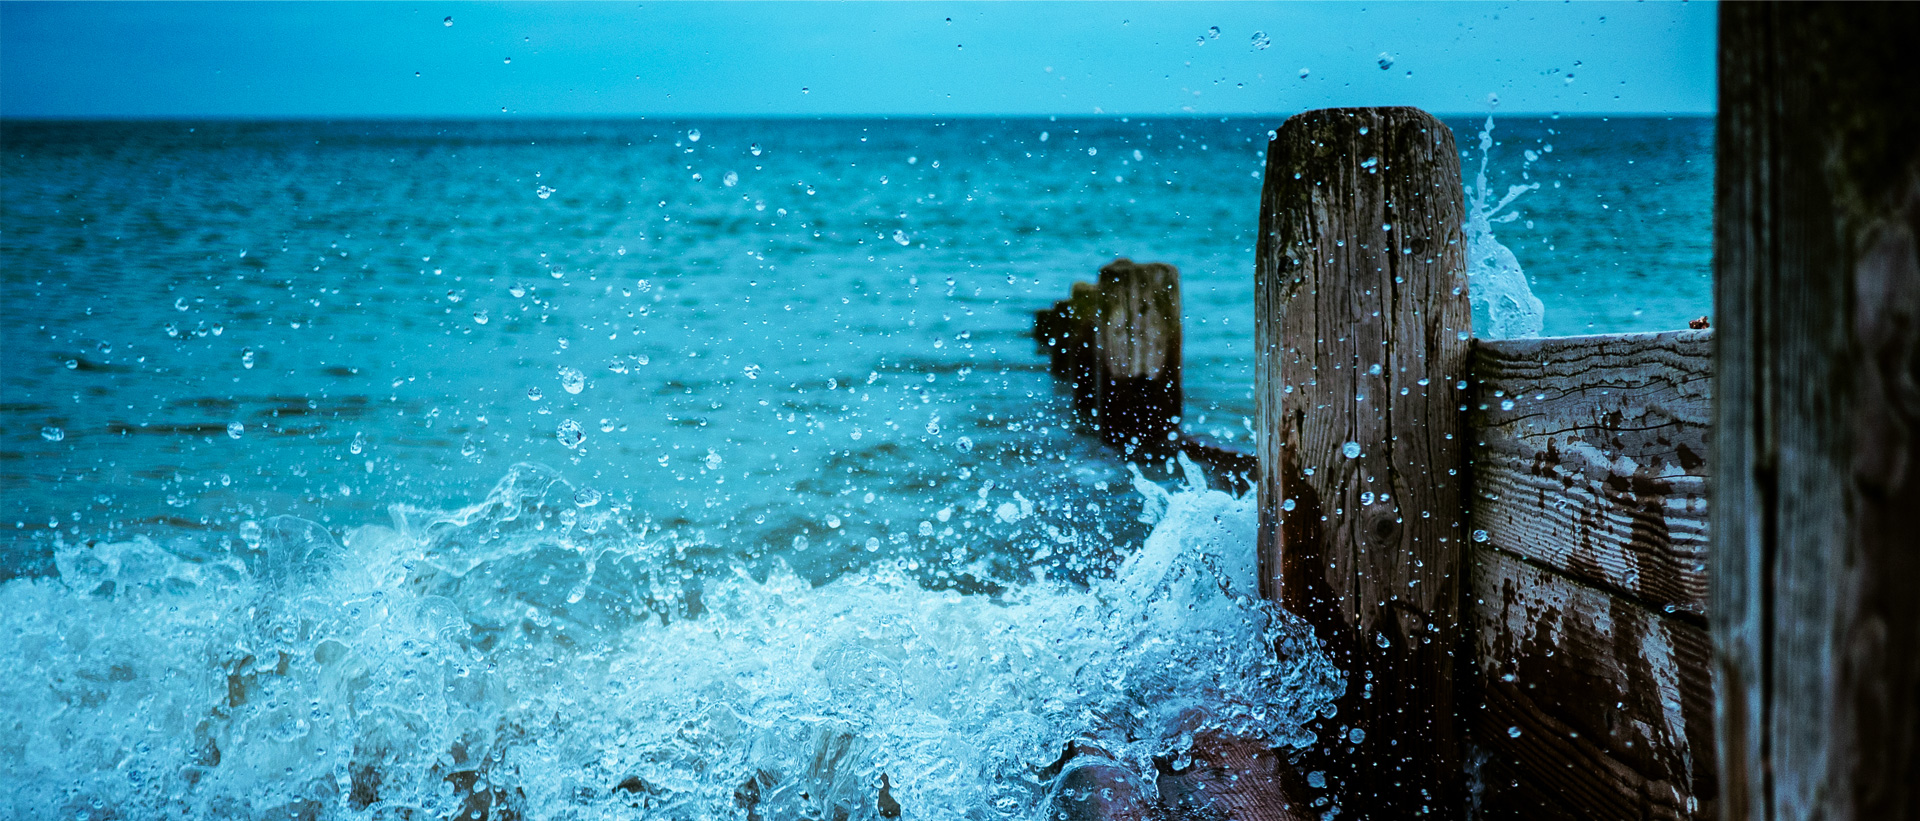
(1137, 345)
(1815, 596)
(1083, 375)
(1361, 339)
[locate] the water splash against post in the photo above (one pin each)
(1495, 282)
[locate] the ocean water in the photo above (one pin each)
(654, 469)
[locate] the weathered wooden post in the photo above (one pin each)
(1361, 343)
(1082, 371)
(1816, 456)
(1137, 357)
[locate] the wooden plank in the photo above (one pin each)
(1591, 705)
(1590, 456)
(1816, 595)
(1361, 334)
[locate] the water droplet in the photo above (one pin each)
(800, 543)
(693, 135)
(572, 380)
(1506, 404)
(359, 444)
(570, 434)
(506, 60)
(606, 426)
(235, 430)
(900, 236)
(833, 521)
(73, 364)
(926, 528)
(544, 191)
(755, 149)
(52, 433)
(479, 317)
(730, 180)
(712, 460)
(246, 358)
(1513, 732)
(1351, 449)
(1385, 61)
(534, 394)
(1480, 536)
(1366, 498)
(873, 544)
(180, 304)
(805, 90)
(447, 22)
(1288, 504)
(1382, 640)
(586, 497)
(1356, 735)
(1303, 74)
(1261, 41)
(964, 444)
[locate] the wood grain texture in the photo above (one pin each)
(1137, 353)
(1590, 705)
(1362, 328)
(1816, 457)
(1590, 456)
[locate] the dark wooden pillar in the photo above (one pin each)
(1362, 342)
(1815, 602)
(1137, 355)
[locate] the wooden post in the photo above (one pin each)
(1137, 345)
(1083, 374)
(1815, 584)
(1361, 341)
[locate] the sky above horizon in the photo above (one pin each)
(547, 59)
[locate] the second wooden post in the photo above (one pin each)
(1361, 338)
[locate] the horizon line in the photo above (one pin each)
(248, 118)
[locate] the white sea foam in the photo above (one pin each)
(528, 654)
(1497, 286)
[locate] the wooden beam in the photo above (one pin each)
(1361, 339)
(1590, 457)
(1589, 704)
(1816, 455)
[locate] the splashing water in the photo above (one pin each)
(527, 656)
(1496, 285)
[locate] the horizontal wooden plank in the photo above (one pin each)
(1590, 456)
(1587, 700)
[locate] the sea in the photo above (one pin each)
(662, 468)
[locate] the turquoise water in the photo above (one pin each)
(358, 467)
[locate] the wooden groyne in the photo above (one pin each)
(1116, 344)
(1634, 576)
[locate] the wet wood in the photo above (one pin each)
(1117, 346)
(1590, 456)
(1137, 354)
(1361, 336)
(1816, 458)
(1590, 705)
(1229, 780)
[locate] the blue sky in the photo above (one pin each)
(336, 59)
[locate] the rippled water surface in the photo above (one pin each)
(600, 469)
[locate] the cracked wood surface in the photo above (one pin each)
(1361, 335)
(1590, 457)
